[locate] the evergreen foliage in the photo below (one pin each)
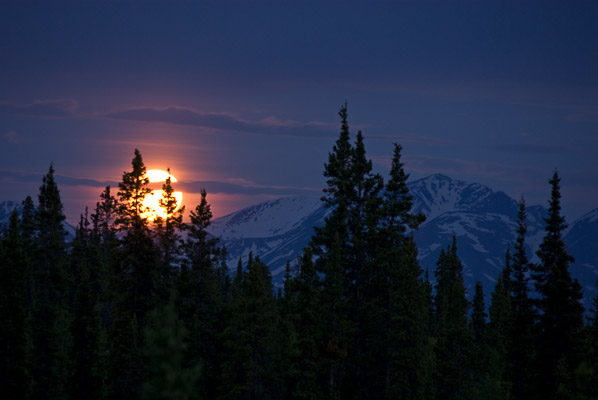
(561, 313)
(249, 370)
(51, 365)
(522, 339)
(451, 328)
(138, 309)
(164, 351)
(15, 328)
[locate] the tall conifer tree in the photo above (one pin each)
(135, 283)
(302, 362)
(561, 312)
(452, 333)
(202, 303)
(51, 336)
(396, 295)
(522, 340)
(250, 371)
(15, 328)
(89, 338)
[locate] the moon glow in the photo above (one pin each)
(152, 200)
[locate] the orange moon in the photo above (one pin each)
(152, 200)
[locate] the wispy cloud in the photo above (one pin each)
(478, 170)
(12, 137)
(245, 189)
(42, 108)
(532, 148)
(241, 187)
(410, 139)
(222, 121)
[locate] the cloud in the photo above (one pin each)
(532, 148)
(424, 165)
(30, 177)
(43, 108)
(240, 187)
(222, 121)
(12, 137)
(410, 139)
(218, 187)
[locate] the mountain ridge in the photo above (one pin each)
(483, 220)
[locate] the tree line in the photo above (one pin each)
(138, 309)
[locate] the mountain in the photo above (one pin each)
(276, 231)
(483, 220)
(7, 207)
(581, 239)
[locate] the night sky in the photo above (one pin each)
(242, 97)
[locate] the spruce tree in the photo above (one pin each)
(15, 329)
(335, 324)
(522, 338)
(561, 312)
(167, 231)
(51, 366)
(132, 192)
(302, 365)
(352, 193)
(330, 244)
(104, 218)
(251, 370)
(500, 331)
(139, 266)
(202, 302)
(586, 374)
(164, 350)
(396, 296)
(134, 283)
(452, 333)
(89, 338)
(485, 366)
(478, 315)
(409, 357)
(28, 222)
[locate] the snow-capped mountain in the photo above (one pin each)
(581, 239)
(7, 207)
(275, 231)
(484, 222)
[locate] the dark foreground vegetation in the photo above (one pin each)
(130, 310)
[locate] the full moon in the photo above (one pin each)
(152, 200)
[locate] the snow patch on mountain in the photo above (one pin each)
(265, 220)
(8, 206)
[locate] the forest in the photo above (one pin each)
(139, 309)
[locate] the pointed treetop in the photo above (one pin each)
(50, 210)
(338, 169)
(555, 222)
(399, 199)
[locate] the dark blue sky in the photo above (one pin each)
(242, 97)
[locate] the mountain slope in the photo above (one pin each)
(581, 240)
(275, 231)
(7, 207)
(483, 220)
